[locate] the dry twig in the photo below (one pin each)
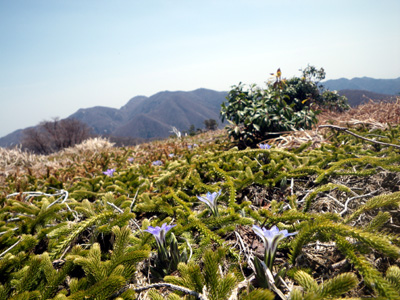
(358, 136)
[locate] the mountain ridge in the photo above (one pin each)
(168, 108)
(146, 117)
(357, 97)
(380, 86)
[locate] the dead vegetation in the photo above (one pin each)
(372, 115)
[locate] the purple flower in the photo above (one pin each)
(159, 233)
(157, 163)
(271, 239)
(264, 146)
(131, 159)
(109, 172)
(211, 200)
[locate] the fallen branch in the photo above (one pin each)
(20, 239)
(159, 285)
(116, 207)
(62, 193)
(358, 136)
(134, 199)
(353, 198)
(13, 229)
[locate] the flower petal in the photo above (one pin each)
(257, 230)
(205, 200)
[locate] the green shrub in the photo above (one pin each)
(285, 105)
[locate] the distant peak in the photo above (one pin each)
(140, 97)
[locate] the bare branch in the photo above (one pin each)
(358, 136)
(20, 239)
(160, 285)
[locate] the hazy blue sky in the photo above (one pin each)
(57, 56)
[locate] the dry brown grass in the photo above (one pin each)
(12, 159)
(373, 115)
(89, 147)
(15, 161)
(377, 114)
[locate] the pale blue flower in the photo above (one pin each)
(157, 163)
(271, 239)
(167, 259)
(264, 146)
(131, 159)
(211, 200)
(171, 155)
(109, 172)
(160, 233)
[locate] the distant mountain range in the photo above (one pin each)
(381, 86)
(357, 97)
(147, 117)
(153, 117)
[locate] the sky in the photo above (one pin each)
(57, 56)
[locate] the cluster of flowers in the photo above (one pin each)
(264, 146)
(157, 163)
(109, 172)
(270, 238)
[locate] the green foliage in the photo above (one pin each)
(393, 276)
(373, 278)
(90, 244)
(218, 284)
(320, 227)
(168, 259)
(330, 289)
(257, 114)
(122, 259)
(79, 228)
(308, 87)
(259, 294)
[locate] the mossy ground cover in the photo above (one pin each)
(69, 231)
